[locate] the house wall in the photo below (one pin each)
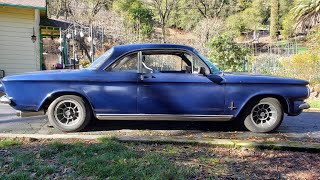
(18, 54)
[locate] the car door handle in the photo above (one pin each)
(143, 77)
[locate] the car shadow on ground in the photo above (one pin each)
(161, 125)
(305, 123)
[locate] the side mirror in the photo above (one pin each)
(215, 78)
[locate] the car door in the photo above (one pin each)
(169, 85)
(118, 93)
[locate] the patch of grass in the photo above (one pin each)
(170, 150)
(17, 176)
(302, 49)
(314, 103)
(8, 143)
(109, 159)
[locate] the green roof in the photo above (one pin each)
(30, 4)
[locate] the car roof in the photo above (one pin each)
(135, 47)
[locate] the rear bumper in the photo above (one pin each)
(5, 100)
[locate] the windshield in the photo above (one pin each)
(208, 62)
(98, 62)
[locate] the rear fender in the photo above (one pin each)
(53, 95)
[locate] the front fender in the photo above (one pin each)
(241, 94)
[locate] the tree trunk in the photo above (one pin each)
(83, 46)
(274, 22)
(163, 29)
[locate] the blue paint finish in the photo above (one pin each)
(173, 93)
(242, 93)
(243, 78)
(159, 93)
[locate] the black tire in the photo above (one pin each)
(263, 116)
(63, 111)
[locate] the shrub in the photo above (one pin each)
(265, 64)
(303, 66)
(85, 63)
(227, 54)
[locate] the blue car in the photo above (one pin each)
(154, 82)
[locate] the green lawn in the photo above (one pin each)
(314, 103)
(111, 159)
(8, 143)
(302, 49)
(108, 159)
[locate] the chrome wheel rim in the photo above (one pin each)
(264, 115)
(67, 112)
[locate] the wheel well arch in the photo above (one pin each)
(284, 103)
(49, 99)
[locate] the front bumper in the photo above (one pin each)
(304, 106)
(5, 100)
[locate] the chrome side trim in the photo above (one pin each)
(304, 106)
(5, 100)
(164, 117)
(30, 113)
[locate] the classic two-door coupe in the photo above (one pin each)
(154, 82)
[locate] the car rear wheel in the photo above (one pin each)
(69, 113)
(264, 116)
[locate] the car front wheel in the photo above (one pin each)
(264, 116)
(69, 113)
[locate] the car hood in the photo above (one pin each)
(245, 78)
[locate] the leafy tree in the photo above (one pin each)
(163, 9)
(313, 41)
(286, 20)
(288, 26)
(274, 22)
(187, 14)
(284, 9)
(250, 19)
(306, 13)
(139, 18)
(219, 8)
(227, 54)
(184, 16)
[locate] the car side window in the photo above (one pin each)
(128, 63)
(197, 64)
(163, 63)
